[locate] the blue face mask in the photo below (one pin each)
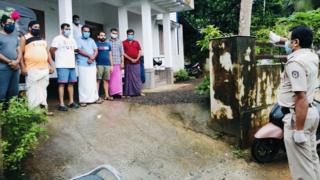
(86, 35)
(9, 28)
(35, 32)
(130, 37)
(66, 33)
(287, 48)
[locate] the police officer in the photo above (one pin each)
(295, 96)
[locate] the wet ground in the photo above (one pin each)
(142, 142)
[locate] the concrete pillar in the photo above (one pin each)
(147, 43)
(65, 12)
(180, 48)
(167, 37)
(233, 87)
(123, 22)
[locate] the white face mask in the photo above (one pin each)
(114, 36)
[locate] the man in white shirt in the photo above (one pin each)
(76, 27)
(63, 51)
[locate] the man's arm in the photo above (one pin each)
(83, 53)
(95, 54)
(301, 108)
(15, 63)
(53, 52)
(110, 57)
(139, 56)
(22, 63)
(50, 62)
(4, 59)
(111, 61)
(128, 57)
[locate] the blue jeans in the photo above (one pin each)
(9, 84)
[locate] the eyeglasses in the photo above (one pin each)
(67, 29)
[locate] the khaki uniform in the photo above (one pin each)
(300, 74)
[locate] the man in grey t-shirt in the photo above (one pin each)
(10, 56)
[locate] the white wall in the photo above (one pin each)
(135, 23)
(97, 12)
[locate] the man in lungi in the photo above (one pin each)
(36, 65)
(87, 71)
(115, 82)
(132, 54)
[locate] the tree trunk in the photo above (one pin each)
(245, 17)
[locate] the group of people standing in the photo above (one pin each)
(78, 59)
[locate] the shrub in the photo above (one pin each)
(181, 75)
(208, 33)
(309, 18)
(204, 87)
(21, 128)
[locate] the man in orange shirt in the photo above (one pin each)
(36, 66)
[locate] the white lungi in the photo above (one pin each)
(88, 92)
(37, 82)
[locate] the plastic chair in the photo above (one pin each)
(93, 174)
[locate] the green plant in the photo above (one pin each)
(181, 75)
(208, 33)
(309, 18)
(21, 127)
(241, 153)
(204, 87)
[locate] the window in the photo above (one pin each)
(161, 41)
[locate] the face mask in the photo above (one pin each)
(287, 48)
(130, 37)
(76, 22)
(86, 35)
(35, 32)
(66, 33)
(9, 28)
(114, 36)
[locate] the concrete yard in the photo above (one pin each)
(146, 142)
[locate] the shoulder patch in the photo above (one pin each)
(295, 74)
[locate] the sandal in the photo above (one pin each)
(49, 113)
(62, 108)
(108, 98)
(99, 101)
(83, 104)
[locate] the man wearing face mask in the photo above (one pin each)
(76, 26)
(10, 56)
(88, 52)
(36, 65)
(132, 54)
(63, 49)
(115, 83)
(104, 64)
(295, 96)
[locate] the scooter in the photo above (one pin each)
(193, 70)
(269, 139)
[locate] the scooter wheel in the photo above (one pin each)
(264, 150)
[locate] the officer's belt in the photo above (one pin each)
(286, 110)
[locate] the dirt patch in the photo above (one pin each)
(183, 92)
